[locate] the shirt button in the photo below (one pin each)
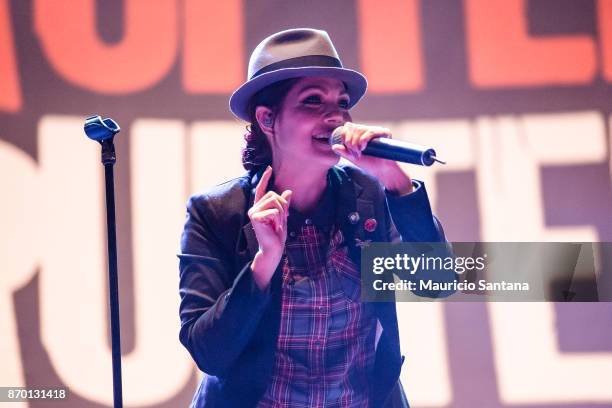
(308, 221)
(292, 234)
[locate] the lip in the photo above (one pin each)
(322, 137)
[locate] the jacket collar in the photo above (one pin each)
(338, 173)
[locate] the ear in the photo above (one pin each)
(265, 119)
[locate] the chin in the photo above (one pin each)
(328, 160)
(317, 161)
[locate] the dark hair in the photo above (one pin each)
(257, 151)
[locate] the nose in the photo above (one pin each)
(334, 117)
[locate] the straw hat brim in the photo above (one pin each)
(356, 85)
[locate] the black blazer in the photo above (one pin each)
(230, 327)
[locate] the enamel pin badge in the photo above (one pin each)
(370, 224)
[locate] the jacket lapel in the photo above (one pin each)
(355, 207)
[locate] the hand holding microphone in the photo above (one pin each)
(376, 142)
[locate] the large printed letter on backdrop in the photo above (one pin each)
(504, 55)
(68, 35)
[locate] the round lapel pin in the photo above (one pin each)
(370, 224)
(353, 217)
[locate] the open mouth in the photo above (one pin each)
(322, 138)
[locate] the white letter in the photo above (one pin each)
(377, 269)
(577, 377)
(20, 216)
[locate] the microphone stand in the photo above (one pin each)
(103, 131)
(108, 160)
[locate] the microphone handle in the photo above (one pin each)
(400, 151)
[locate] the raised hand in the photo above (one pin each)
(268, 217)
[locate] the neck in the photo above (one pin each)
(307, 184)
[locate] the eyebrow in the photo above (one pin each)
(320, 88)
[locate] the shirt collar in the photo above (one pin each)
(323, 215)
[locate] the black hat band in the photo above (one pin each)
(301, 62)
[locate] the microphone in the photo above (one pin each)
(100, 129)
(390, 149)
(103, 131)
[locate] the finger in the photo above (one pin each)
(365, 138)
(386, 132)
(282, 200)
(286, 195)
(262, 186)
(343, 152)
(275, 221)
(258, 205)
(373, 133)
(270, 196)
(266, 196)
(271, 217)
(354, 147)
(340, 150)
(351, 140)
(347, 136)
(265, 216)
(280, 220)
(274, 201)
(346, 127)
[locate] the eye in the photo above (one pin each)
(312, 100)
(344, 103)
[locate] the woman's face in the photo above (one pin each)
(311, 110)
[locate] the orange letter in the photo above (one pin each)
(390, 45)
(501, 53)
(67, 32)
(605, 36)
(10, 93)
(213, 55)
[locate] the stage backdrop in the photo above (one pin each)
(514, 94)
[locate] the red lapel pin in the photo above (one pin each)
(370, 224)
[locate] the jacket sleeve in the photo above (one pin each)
(220, 308)
(412, 216)
(410, 219)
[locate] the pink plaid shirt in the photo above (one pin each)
(326, 344)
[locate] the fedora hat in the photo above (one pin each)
(295, 53)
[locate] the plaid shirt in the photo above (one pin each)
(325, 351)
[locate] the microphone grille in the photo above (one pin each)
(336, 136)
